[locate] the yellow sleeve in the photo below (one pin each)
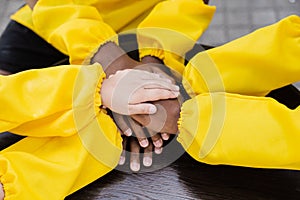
(172, 28)
(231, 129)
(255, 64)
(44, 102)
(75, 29)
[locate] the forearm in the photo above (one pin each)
(113, 58)
(222, 128)
(76, 29)
(51, 159)
(159, 35)
(31, 3)
(268, 63)
(45, 99)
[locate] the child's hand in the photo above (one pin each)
(127, 91)
(165, 119)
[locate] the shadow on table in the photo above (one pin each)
(188, 179)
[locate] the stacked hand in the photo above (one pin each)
(128, 89)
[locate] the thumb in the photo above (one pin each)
(141, 108)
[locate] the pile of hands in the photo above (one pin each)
(143, 100)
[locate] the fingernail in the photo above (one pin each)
(158, 143)
(147, 161)
(176, 87)
(158, 150)
(135, 166)
(176, 94)
(165, 136)
(144, 143)
(152, 109)
(128, 132)
(122, 160)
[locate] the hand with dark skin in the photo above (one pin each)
(167, 115)
(170, 109)
(113, 58)
(31, 3)
(157, 137)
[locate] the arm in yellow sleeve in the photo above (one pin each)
(255, 64)
(173, 27)
(75, 29)
(232, 129)
(43, 102)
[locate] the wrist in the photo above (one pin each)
(151, 59)
(113, 58)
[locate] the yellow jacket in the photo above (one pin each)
(228, 120)
(71, 142)
(78, 28)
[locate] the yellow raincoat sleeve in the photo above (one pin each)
(255, 64)
(71, 141)
(232, 129)
(41, 102)
(75, 29)
(172, 28)
(219, 127)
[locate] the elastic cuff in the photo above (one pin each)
(184, 137)
(152, 52)
(98, 100)
(8, 179)
(89, 60)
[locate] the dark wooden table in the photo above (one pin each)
(188, 179)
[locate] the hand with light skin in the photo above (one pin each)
(126, 89)
(153, 65)
(125, 124)
(113, 58)
(168, 111)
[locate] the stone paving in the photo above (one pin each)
(235, 18)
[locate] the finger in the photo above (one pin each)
(157, 70)
(162, 84)
(123, 155)
(156, 138)
(158, 150)
(151, 94)
(122, 124)
(141, 108)
(136, 107)
(165, 136)
(156, 66)
(149, 78)
(147, 160)
(134, 155)
(140, 133)
(156, 122)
